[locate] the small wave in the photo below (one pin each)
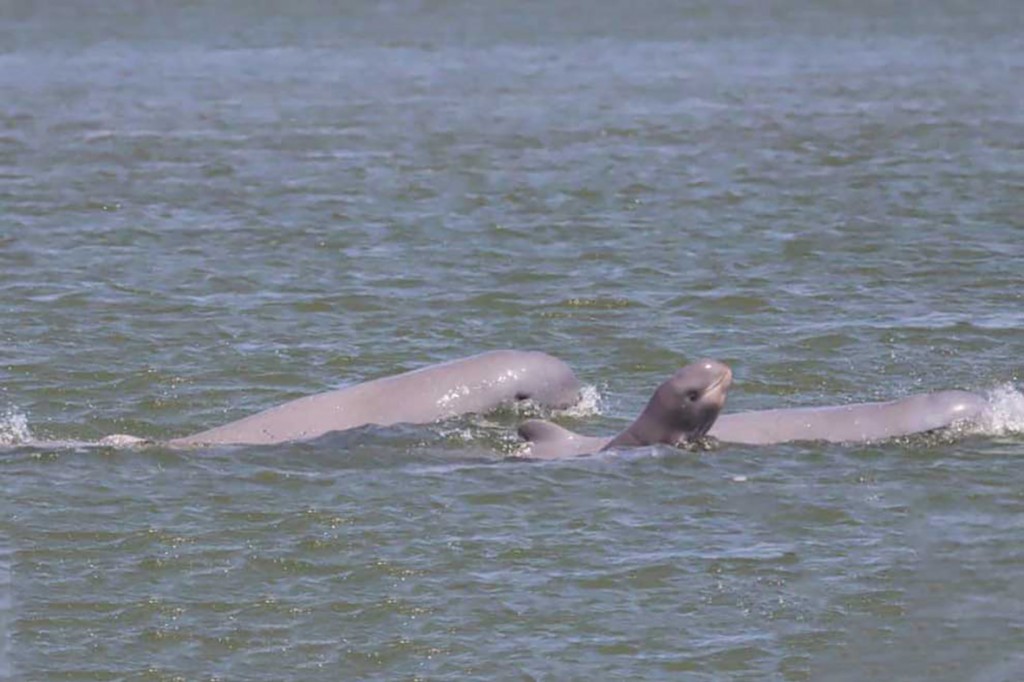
(1005, 414)
(14, 427)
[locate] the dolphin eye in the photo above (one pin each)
(692, 396)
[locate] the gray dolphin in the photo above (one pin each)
(855, 423)
(474, 384)
(681, 410)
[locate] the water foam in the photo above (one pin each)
(1005, 413)
(589, 404)
(14, 427)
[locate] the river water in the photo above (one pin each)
(211, 208)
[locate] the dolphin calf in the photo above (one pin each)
(855, 423)
(682, 408)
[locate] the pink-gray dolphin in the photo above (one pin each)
(474, 384)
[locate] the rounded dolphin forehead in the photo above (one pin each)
(698, 376)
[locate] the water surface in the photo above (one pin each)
(211, 209)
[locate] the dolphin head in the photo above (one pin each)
(547, 381)
(687, 404)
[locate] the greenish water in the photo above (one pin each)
(209, 210)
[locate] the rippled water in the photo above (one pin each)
(210, 210)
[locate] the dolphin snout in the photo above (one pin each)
(720, 378)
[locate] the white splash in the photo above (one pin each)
(461, 433)
(123, 440)
(1005, 414)
(14, 427)
(588, 405)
